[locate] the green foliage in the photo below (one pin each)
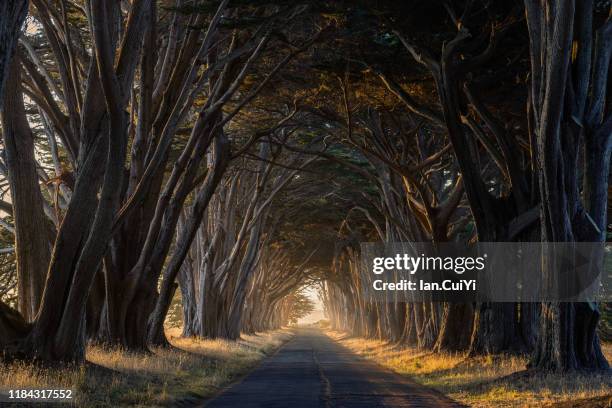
(301, 307)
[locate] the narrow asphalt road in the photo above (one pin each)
(312, 370)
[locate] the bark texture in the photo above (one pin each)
(32, 228)
(569, 110)
(12, 16)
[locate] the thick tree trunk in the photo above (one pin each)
(497, 329)
(456, 329)
(13, 328)
(529, 319)
(32, 228)
(567, 338)
(96, 310)
(12, 15)
(58, 333)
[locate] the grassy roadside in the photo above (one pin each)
(194, 369)
(494, 381)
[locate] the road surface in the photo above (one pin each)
(312, 370)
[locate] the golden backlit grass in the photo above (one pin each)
(493, 381)
(193, 370)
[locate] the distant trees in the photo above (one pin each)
(273, 297)
(230, 244)
(299, 306)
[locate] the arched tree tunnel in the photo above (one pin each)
(232, 153)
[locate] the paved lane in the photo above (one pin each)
(312, 370)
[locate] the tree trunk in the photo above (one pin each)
(496, 329)
(12, 15)
(567, 339)
(221, 154)
(188, 299)
(32, 228)
(456, 329)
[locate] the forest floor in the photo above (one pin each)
(190, 371)
(494, 381)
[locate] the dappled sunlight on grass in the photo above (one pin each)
(499, 381)
(192, 369)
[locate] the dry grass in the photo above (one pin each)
(194, 369)
(494, 381)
